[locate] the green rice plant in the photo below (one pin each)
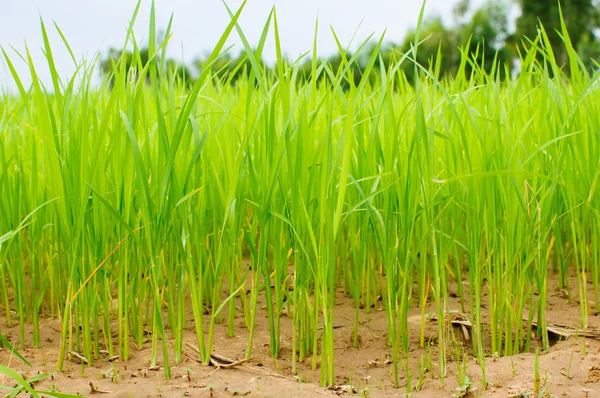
(160, 204)
(27, 385)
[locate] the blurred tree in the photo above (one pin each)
(353, 70)
(461, 8)
(436, 39)
(483, 35)
(229, 68)
(139, 60)
(108, 64)
(589, 51)
(486, 35)
(581, 18)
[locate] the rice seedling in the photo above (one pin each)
(159, 205)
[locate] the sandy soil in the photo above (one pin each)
(571, 367)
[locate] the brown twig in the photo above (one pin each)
(222, 362)
(95, 390)
(80, 357)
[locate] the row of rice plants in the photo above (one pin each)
(155, 205)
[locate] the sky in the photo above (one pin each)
(93, 26)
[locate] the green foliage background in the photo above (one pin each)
(483, 33)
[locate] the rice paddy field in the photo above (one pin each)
(386, 238)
